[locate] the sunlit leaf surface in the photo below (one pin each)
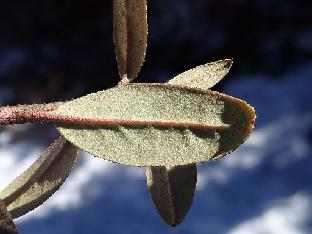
(41, 179)
(162, 125)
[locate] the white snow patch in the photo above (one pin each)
(286, 216)
(75, 190)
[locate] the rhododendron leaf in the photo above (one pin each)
(130, 36)
(172, 190)
(204, 76)
(41, 179)
(163, 125)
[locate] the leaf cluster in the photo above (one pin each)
(166, 128)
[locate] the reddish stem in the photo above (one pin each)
(20, 114)
(42, 113)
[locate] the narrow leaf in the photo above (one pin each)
(163, 125)
(204, 76)
(7, 225)
(130, 36)
(172, 190)
(41, 179)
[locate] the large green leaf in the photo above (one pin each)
(41, 179)
(163, 125)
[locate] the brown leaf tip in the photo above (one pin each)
(228, 63)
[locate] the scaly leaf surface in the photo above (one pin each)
(130, 36)
(163, 125)
(172, 190)
(7, 225)
(41, 179)
(204, 76)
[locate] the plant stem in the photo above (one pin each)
(23, 113)
(42, 113)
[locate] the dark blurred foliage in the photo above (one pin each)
(56, 50)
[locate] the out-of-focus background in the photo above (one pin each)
(58, 50)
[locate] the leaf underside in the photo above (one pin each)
(41, 179)
(203, 76)
(130, 36)
(7, 225)
(172, 190)
(148, 145)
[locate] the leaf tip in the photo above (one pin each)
(228, 63)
